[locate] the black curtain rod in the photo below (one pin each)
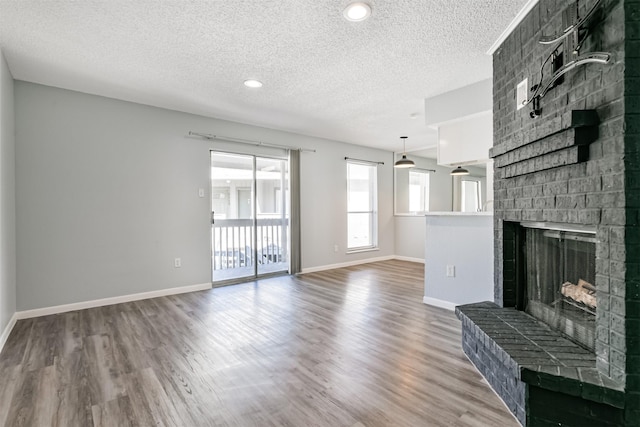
(364, 161)
(211, 137)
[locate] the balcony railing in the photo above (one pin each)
(233, 242)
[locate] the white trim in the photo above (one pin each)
(45, 311)
(7, 330)
(361, 250)
(408, 258)
(512, 26)
(345, 264)
(440, 303)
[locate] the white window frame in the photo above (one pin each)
(424, 191)
(478, 195)
(373, 203)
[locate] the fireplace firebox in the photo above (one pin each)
(559, 278)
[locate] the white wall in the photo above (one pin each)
(465, 141)
(108, 196)
(465, 242)
(7, 201)
(464, 120)
(462, 102)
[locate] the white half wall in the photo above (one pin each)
(7, 203)
(107, 196)
(465, 242)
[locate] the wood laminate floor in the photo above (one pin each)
(352, 347)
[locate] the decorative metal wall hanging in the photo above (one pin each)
(566, 54)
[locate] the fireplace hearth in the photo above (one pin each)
(536, 370)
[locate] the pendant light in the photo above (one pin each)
(459, 171)
(404, 162)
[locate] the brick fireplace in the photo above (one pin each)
(574, 164)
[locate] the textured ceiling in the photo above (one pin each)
(356, 82)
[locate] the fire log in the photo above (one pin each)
(583, 292)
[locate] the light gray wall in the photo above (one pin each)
(7, 197)
(410, 231)
(440, 187)
(108, 196)
(324, 203)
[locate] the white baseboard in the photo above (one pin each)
(45, 311)
(7, 330)
(408, 258)
(346, 264)
(440, 303)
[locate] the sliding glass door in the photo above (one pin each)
(272, 218)
(249, 216)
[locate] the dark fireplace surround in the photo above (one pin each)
(576, 165)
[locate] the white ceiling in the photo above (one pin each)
(323, 76)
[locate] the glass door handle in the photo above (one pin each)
(213, 221)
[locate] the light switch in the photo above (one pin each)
(451, 271)
(522, 94)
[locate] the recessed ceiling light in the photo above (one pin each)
(253, 83)
(357, 12)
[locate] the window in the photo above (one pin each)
(418, 191)
(471, 199)
(362, 206)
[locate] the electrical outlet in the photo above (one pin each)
(451, 271)
(335, 248)
(200, 192)
(177, 263)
